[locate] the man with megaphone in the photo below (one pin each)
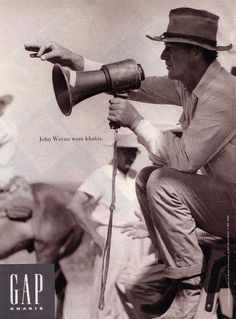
(175, 199)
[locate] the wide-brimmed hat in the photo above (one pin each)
(6, 99)
(192, 26)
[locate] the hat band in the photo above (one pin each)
(188, 37)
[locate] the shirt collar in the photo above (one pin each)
(210, 73)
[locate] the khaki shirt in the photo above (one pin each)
(208, 122)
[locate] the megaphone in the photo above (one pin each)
(72, 87)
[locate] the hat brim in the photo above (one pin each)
(6, 99)
(189, 41)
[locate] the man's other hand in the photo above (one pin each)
(55, 53)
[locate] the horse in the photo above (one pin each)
(52, 232)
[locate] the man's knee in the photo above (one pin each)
(161, 180)
(142, 178)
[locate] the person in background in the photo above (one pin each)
(91, 205)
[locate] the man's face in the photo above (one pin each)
(178, 59)
(126, 157)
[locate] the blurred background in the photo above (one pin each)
(101, 30)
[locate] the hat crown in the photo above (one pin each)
(193, 23)
(192, 26)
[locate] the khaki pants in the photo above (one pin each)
(174, 204)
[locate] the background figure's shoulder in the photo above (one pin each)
(96, 183)
(105, 169)
(100, 176)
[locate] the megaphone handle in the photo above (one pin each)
(114, 125)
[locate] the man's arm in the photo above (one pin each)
(209, 131)
(82, 206)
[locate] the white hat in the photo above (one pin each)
(125, 140)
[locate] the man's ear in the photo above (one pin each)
(197, 53)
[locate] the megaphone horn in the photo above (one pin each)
(72, 87)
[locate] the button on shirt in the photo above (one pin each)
(98, 185)
(208, 122)
(8, 141)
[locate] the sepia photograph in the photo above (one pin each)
(118, 159)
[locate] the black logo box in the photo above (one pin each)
(34, 283)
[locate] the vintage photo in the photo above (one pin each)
(118, 159)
